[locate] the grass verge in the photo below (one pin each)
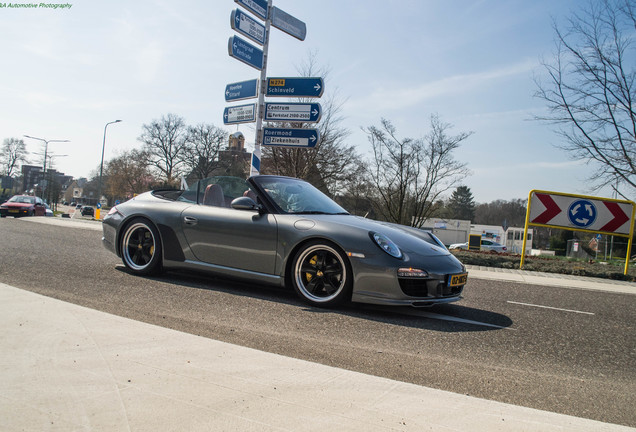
(600, 269)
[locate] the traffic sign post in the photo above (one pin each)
(260, 8)
(299, 138)
(241, 90)
(247, 26)
(287, 23)
(293, 112)
(245, 52)
(239, 114)
(580, 213)
(295, 87)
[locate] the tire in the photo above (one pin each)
(321, 274)
(141, 247)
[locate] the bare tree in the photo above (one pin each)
(410, 175)
(13, 151)
(590, 90)
(164, 144)
(203, 144)
(332, 163)
(127, 175)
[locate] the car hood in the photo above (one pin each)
(410, 240)
(17, 205)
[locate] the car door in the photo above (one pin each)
(232, 238)
(39, 209)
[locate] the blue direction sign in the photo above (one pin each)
(245, 52)
(289, 24)
(239, 114)
(293, 112)
(241, 90)
(290, 137)
(295, 87)
(257, 7)
(247, 26)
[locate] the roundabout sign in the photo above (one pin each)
(581, 213)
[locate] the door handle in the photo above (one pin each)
(190, 220)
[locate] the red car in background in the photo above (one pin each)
(23, 205)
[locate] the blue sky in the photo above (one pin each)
(67, 72)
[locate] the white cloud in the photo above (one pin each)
(408, 95)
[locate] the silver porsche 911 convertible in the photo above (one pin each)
(282, 231)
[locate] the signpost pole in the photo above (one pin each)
(525, 231)
(255, 167)
(630, 241)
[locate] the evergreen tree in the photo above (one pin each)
(461, 204)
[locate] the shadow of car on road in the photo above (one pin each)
(453, 317)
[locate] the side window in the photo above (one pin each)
(213, 195)
(222, 190)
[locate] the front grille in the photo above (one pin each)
(414, 287)
(419, 287)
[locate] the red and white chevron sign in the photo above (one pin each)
(578, 212)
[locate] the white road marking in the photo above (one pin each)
(550, 307)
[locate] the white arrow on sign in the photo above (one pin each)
(301, 112)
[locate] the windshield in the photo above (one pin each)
(23, 199)
(297, 197)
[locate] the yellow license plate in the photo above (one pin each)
(14, 211)
(458, 279)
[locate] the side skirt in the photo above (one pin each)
(229, 272)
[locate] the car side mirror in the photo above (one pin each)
(246, 203)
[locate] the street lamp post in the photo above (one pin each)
(46, 148)
(101, 167)
(52, 200)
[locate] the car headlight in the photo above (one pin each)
(386, 245)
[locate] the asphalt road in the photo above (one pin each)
(557, 349)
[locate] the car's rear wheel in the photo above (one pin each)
(321, 274)
(141, 247)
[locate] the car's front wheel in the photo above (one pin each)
(321, 274)
(141, 247)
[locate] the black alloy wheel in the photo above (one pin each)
(321, 274)
(141, 247)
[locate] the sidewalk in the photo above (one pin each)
(64, 367)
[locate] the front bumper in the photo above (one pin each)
(15, 212)
(109, 238)
(377, 281)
